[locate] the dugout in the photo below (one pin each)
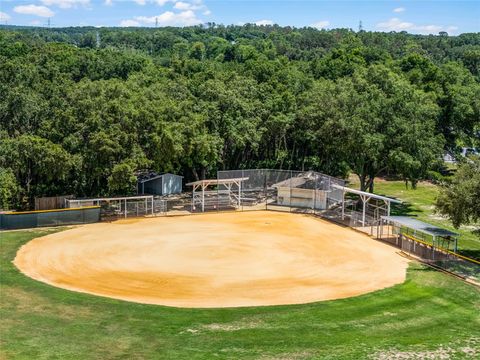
(394, 227)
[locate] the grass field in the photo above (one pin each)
(419, 202)
(431, 315)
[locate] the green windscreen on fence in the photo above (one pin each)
(58, 217)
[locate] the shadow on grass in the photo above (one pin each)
(423, 268)
(404, 209)
(473, 254)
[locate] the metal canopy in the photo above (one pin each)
(116, 198)
(365, 196)
(365, 193)
(211, 182)
(420, 226)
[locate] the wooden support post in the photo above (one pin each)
(203, 197)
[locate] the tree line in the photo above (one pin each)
(82, 110)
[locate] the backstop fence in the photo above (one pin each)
(255, 189)
(285, 190)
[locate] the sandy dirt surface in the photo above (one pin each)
(214, 260)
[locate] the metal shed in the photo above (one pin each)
(159, 184)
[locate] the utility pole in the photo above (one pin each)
(98, 39)
(360, 26)
(156, 22)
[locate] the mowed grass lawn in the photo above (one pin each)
(419, 203)
(431, 315)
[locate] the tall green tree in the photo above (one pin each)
(8, 189)
(40, 166)
(378, 122)
(459, 199)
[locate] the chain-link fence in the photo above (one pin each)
(438, 257)
(244, 190)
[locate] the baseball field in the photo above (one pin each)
(382, 309)
(215, 260)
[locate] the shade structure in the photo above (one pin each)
(421, 226)
(200, 186)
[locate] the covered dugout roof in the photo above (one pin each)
(420, 226)
(208, 182)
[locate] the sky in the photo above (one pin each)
(419, 17)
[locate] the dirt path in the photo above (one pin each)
(214, 260)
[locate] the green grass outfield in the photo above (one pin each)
(429, 316)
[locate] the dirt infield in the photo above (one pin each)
(214, 260)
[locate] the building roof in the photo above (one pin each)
(145, 177)
(296, 181)
(420, 226)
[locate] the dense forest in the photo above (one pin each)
(82, 110)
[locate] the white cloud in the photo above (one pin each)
(194, 5)
(168, 18)
(35, 22)
(185, 16)
(321, 24)
(65, 4)
(4, 17)
(263, 22)
(31, 9)
(108, 2)
(127, 23)
(181, 5)
(452, 29)
(395, 24)
(399, 10)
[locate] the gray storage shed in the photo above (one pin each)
(159, 184)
